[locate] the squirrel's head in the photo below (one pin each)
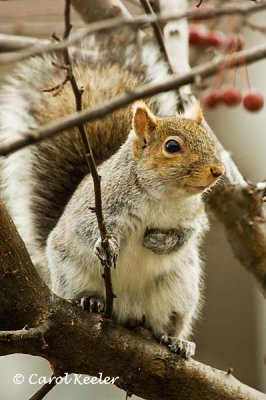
(179, 150)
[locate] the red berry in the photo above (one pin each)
(210, 98)
(215, 39)
(234, 43)
(197, 34)
(231, 96)
(253, 100)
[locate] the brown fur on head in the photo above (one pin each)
(179, 150)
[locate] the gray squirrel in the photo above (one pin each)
(154, 165)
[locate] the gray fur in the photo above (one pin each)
(156, 231)
(146, 284)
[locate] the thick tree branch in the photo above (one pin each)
(77, 342)
(135, 23)
(242, 211)
(16, 268)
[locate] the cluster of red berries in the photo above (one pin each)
(252, 100)
(200, 35)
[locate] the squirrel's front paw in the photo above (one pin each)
(106, 254)
(92, 304)
(184, 348)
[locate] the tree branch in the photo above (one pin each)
(135, 23)
(242, 211)
(203, 71)
(25, 334)
(159, 36)
(82, 343)
(156, 28)
(13, 42)
(46, 388)
(107, 264)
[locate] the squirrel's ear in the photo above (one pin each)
(144, 121)
(195, 113)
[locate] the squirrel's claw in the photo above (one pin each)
(92, 304)
(184, 348)
(106, 254)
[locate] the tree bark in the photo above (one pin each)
(74, 341)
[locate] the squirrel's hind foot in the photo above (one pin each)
(184, 348)
(93, 304)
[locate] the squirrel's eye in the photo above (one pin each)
(172, 146)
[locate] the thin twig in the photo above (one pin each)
(255, 26)
(25, 334)
(107, 264)
(158, 33)
(57, 89)
(15, 43)
(199, 3)
(46, 388)
(156, 28)
(113, 23)
(203, 71)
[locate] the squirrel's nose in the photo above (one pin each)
(217, 170)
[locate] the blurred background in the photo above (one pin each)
(232, 330)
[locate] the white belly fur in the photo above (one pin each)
(155, 285)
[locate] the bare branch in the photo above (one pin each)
(156, 28)
(46, 388)
(25, 334)
(199, 3)
(107, 264)
(113, 23)
(203, 71)
(13, 42)
(256, 27)
(159, 35)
